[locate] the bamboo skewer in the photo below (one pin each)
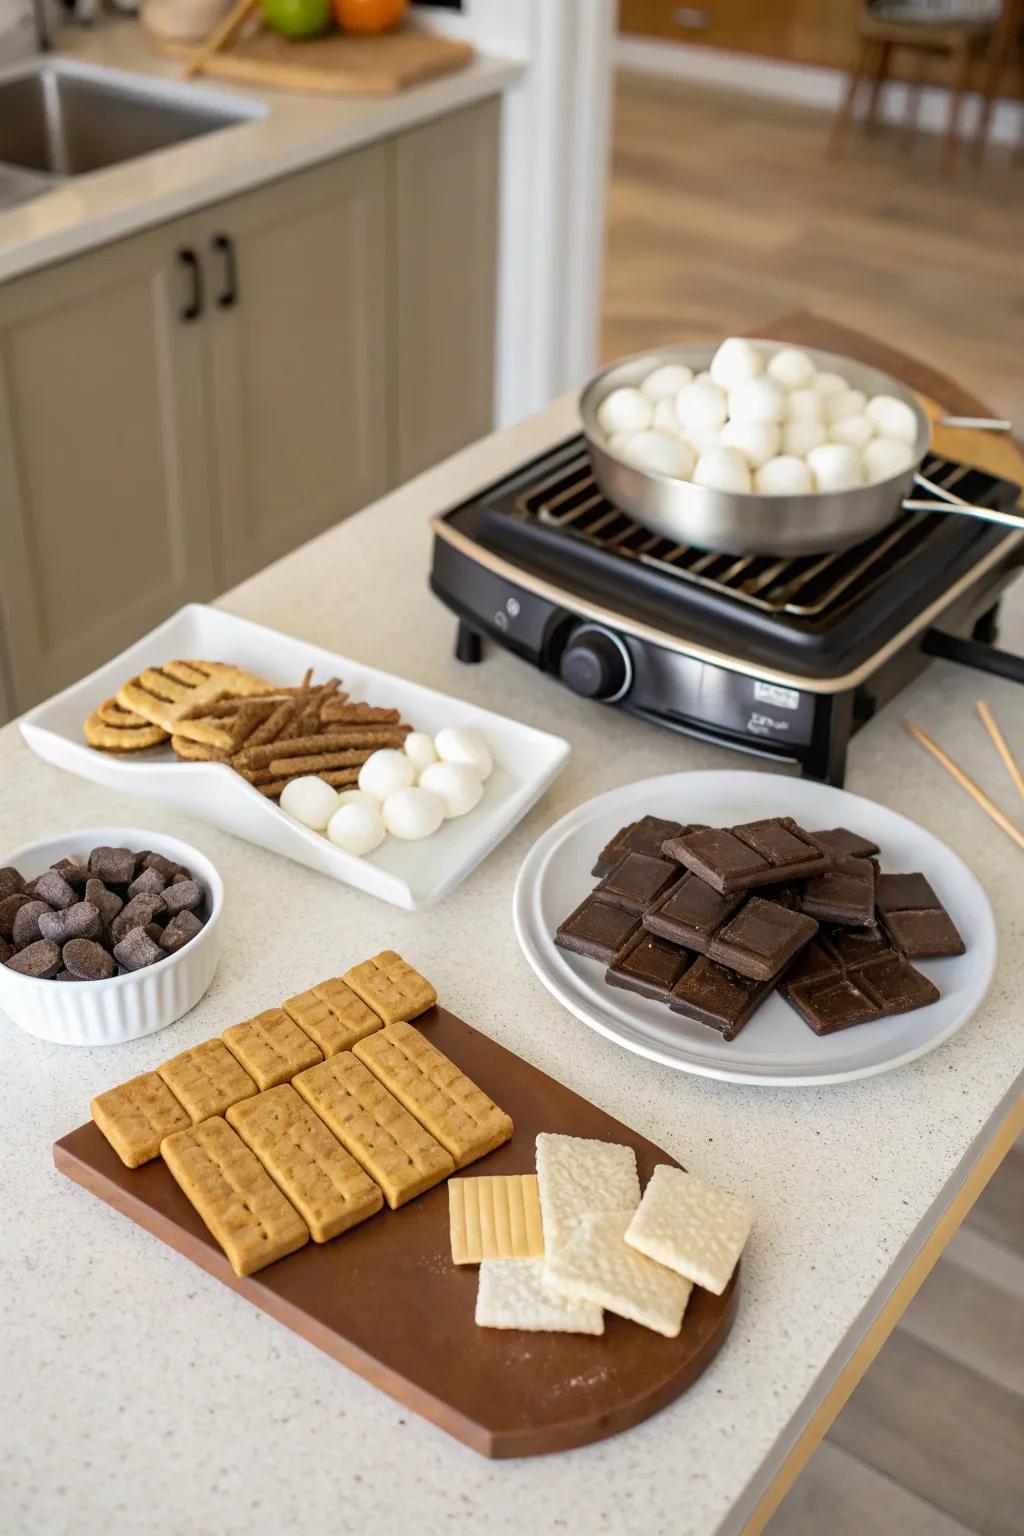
(220, 34)
(966, 782)
(1002, 746)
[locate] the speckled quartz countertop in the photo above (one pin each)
(140, 1395)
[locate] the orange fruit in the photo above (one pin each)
(369, 15)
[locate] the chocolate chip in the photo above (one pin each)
(55, 890)
(82, 921)
(137, 950)
(183, 895)
(25, 929)
(139, 911)
(87, 960)
(41, 959)
(150, 883)
(107, 903)
(114, 866)
(10, 881)
(7, 950)
(181, 928)
(9, 908)
(74, 873)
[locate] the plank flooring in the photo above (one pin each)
(723, 212)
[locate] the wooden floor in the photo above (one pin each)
(723, 212)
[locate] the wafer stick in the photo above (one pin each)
(317, 762)
(1002, 746)
(328, 741)
(966, 782)
(337, 779)
(342, 711)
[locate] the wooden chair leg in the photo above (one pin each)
(912, 116)
(995, 61)
(882, 52)
(961, 80)
(844, 116)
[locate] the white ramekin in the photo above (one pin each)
(138, 1002)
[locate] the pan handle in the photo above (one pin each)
(976, 423)
(948, 501)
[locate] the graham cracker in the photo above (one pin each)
(271, 1047)
(309, 1165)
(496, 1217)
(136, 1116)
(206, 1080)
(391, 987)
(690, 1227)
(332, 1016)
(112, 729)
(235, 1196)
(165, 695)
(598, 1265)
(511, 1294)
(576, 1175)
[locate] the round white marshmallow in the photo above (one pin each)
(892, 418)
(385, 772)
(756, 441)
(456, 784)
(886, 457)
(357, 797)
(461, 745)
(805, 405)
(666, 382)
(310, 801)
(784, 476)
(359, 829)
(660, 454)
(855, 430)
(836, 467)
(419, 749)
(700, 405)
(413, 813)
(757, 400)
(624, 410)
(829, 383)
(703, 439)
(845, 402)
(665, 418)
(791, 368)
(799, 437)
(620, 441)
(735, 362)
(723, 469)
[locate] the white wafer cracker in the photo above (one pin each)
(691, 1227)
(597, 1265)
(575, 1176)
(510, 1295)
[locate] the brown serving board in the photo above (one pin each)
(385, 1299)
(340, 64)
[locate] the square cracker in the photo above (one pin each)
(598, 1265)
(510, 1295)
(691, 1227)
(310, 1166)
(495, 1218)
(206, 1080)
(431, 1087)
(271, 1047)
(395, 1150)
(136, 1116)
(332, 1015)
(233, 1193)
(390, 986)
(576, 1175)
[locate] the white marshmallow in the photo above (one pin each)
(799, 437)
(659, 454)
(703, 378)
(620, 441)
(805, 405)
(723, 469)
(892, 418)
(419, 749)
(791, 368)
(310, 801)
(461, 745)
(703, 439)
(829, 383)
(359, 829)
(756, 441)
(385, 772)
(357, 797)
(784, 476)
(456, 784)
(624, 410)
(757, 400)
(665, 418)
(666, 382)
(855, 430)
(735, 362)
(699, 406)
(413, 813)
(836, 467)
(886, 457)
(845, 402)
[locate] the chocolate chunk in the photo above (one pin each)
(154, 931)
(183, 895)
(851, 976)
(138, 912)
(88, 961)
(648, 965)
(844, 894)
(66, 976)
(895, 984)
(6, 951)
(637, 880)
(137, 950)
(150, 883)
(845, 844)
(9, 908)
(817, 960)
(10, 881)
(82, 921)
(165, 867)
(41, 959)
(915, 919)
(691, 912)
(114, 866)
(747, 934)
(854, 945)
(107, 903)
(52, 888)
(29, 888)
(754, 854)
(25, 929)
(184, 926)
(711, 994)
(596, 929)
(833, 1002)
(643, 836)
(74, 873)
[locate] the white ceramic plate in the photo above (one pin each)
(407, 874)
(776, 1048)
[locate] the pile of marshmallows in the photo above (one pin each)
(407, 793)
(755, 422)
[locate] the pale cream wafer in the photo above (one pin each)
(136, 1116)
(510, 1294)
(496, 1217)
(691, 1227)
(576, 1175)
(436, 1091)
(271, 1047)
(113, 729)
(235, 1196)
(391, 987)
(598, 1265)
(332, 1016)
(206, 1080)
(308, 1164)
(394, 1148)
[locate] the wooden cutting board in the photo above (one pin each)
(385, 1300)
(340, 64)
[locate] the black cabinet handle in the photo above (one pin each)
(225, 246)
(188, 259)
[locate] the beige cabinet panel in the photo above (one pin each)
(446, 223)
(104, 510)
(298, 363)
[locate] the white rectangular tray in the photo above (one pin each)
(409, 875)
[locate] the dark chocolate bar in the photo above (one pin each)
(643, 836)
(711, 994)
(637, 880)
(648, 965)
(832, 1002)
(915, 919)
(597, 929)
(849, 976)
(845, 844)
(844, 894)
(691, 912)
(757, 853)
(755, 937)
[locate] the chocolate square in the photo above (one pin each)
(855, 945)
(816, 960)
(612, 852)
(844, 894)
(829, 1003)
(717, 856)
(757, 853)
(691, 912)
(761, 939)
(637, 880)
(648, 965)
(895, 984)
(915, 919)
(844, 844)
(597, 929)
(643, 836)
(713, 995)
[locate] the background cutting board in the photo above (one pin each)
(340, 64)
(385, 1300)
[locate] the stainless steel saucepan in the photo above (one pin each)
(738, 523)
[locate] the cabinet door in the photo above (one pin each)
(298, 359)
(446, 215)
(104, 514)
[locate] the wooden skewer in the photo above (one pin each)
(976, 793)
(1002, 746)
(220, 34)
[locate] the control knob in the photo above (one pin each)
(596, 664)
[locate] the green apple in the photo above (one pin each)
(298, 18)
